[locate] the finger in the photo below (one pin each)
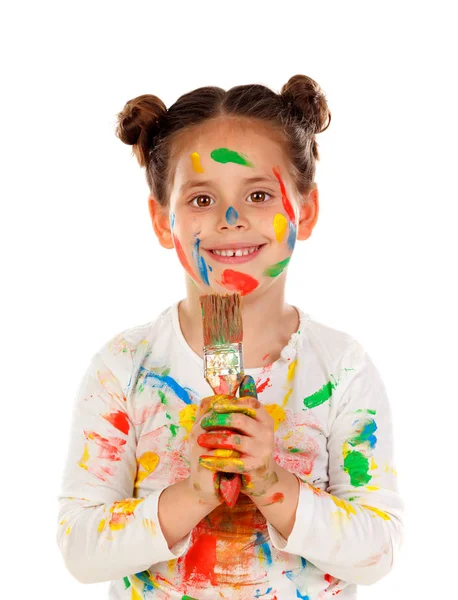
(225, 465)
(206, 404)
(223, 439)
(238, 422)
(245, 405)
(248, 387)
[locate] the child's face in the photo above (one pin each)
(215, 204)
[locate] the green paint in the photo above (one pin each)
(276, 269)
(357, 466)
(174, 429)
(141, 388)
(367, 410)
(364, 432)
(216, 419)
(294, 450)
(320, 396)
(162, 396)
(248, 387)
(126, 583)
(168, 416)
(224, 155)
(165, 372)
(188, 598)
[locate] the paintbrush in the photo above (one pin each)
(223, 365)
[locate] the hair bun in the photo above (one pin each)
(139, 122)
(306, 96)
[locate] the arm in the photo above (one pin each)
(353, 530)
(104, 533)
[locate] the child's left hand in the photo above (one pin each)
(254, 439)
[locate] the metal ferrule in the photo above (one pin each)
(223, 367)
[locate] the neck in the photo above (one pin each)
(268, 323)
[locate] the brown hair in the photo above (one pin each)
(298, 113)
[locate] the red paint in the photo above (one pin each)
(217, 439)
(265, 356)
(110, 448)
(238, 282)
(262, 386)
(230, 489)
(199, 562)
(183, 259)
(119, 420)
(284, 196)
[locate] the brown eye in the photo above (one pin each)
(201, 201)
(259, 197)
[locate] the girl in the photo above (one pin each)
(231, 176)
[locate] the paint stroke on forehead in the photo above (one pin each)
(195, 159)
(231, 215)
(201, 264)
(277, 268)
(238, 282)
(224, 155)
(280, 226)
(284, 196)
(182, 258)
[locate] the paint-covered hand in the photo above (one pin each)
(252, 436)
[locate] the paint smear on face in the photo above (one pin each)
(231, 215)
(224, 155)
(182, 258)
(172, 220)
(275, 270)
(195, 158)
(280, 225)
(291, 236)
(284, 196)
(238, 282)
(201, 264)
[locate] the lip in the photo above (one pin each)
(235, 259)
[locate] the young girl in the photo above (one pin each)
(232, 186)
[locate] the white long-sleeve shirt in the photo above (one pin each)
(130, 425)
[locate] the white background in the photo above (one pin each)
(80, 260)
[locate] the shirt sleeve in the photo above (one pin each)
(104, 532)
(354, 529)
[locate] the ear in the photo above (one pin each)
(308, 214)
(161, 223)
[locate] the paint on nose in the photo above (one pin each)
(231, 215)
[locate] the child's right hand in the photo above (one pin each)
(203, 482)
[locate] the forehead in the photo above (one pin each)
(259, 143)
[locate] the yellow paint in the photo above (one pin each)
(127, 506)
(150, 526)
(341, 503)
(378, 512)
(277, 413)
(291, 369)
(372, 488)
(149, 461)
(84, 458)
(67, 531)
(226, 453)
(62, 522)
(388, 469)
(135, 595)
(286, 398)
(373, 464)
(188, 417)
(195, 158)
(280, 226)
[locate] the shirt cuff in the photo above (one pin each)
(295, 543)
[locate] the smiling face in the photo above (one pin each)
(234, 210)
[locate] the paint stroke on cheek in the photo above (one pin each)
(284, 196)
(182, 258)
(195, 159)
(277, 268)
(280, 225)
(201, 264)
(224, 155)
(291, 236)
(172, 220)
(238, 282)
(231, 215)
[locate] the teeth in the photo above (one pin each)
(239, 252)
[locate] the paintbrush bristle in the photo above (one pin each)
(222, 319)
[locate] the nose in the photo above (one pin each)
(230, 218)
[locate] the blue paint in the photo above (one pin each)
(159, 381)
(291, 235)
(201, 264)
(231, 215)
(258, 592)
(145, 577)
(261, 540)
(172, 219)
(299, 595)
(366, 434)
(210, 268)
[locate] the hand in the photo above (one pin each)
(252, 436)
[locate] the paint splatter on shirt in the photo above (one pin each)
(133, 412)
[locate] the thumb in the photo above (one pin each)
(248, 387)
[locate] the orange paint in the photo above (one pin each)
(199, 562)
(262, 386)
(119, 420)
(238, 282)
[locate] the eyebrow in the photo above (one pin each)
(189, 185)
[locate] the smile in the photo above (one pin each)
(236, 255)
